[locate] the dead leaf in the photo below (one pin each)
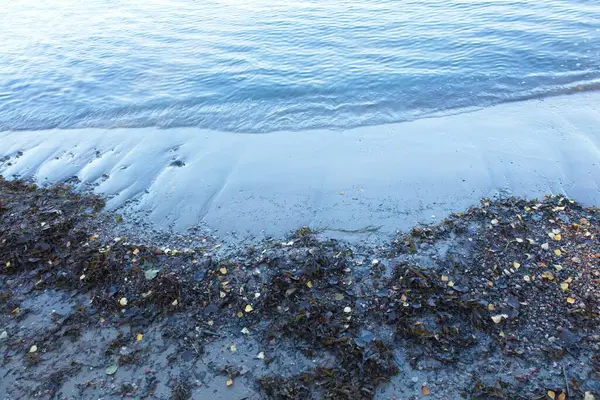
(551, 394)
(151, 274)
(571, 300)
(548, 275)
(425, 390)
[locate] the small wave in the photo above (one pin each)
(273, 66)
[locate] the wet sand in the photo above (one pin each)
(372, 180)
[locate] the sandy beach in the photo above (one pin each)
(165, 283)
(372, 180)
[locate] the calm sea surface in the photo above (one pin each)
(269, 65)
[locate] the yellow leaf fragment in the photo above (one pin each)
(229, 382)
(309, 284)
(425, 390)
(557, 252)
(516, 265)
(548, 275)
(139, 337)
(562, 396)
(570, 300)
(551, 394)
(444, 278)
(223, 270)
(588, 396)
(248, 308)
(564, 286)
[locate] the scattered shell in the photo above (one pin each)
(498, 318)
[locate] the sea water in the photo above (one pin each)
(270, 65)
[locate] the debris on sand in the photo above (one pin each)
(501, 301)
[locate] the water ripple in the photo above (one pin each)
(259, 65)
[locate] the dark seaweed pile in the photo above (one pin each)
(510, 278)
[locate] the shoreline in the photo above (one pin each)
(498, 301)
(361, 184)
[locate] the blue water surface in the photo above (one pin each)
(269, 65)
